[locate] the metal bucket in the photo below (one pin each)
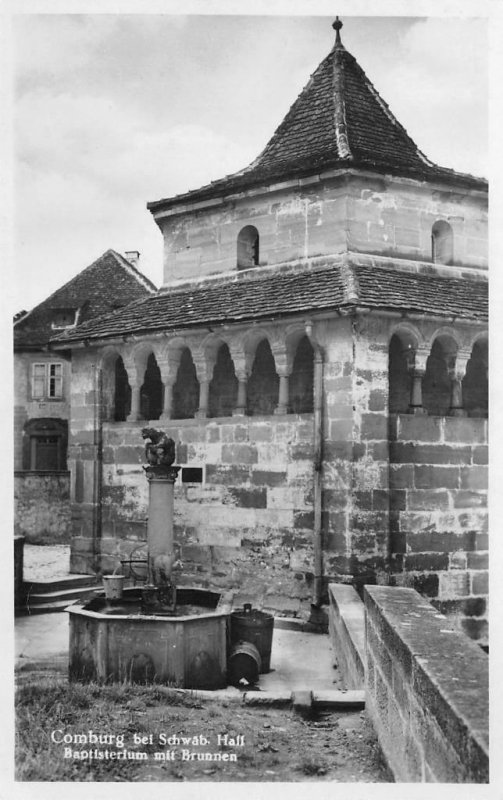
(252, 625)
(113, 586)
(243, 664)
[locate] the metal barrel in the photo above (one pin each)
(252, 625)
(243, 664)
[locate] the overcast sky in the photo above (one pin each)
(113, 111)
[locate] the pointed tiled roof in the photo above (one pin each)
(262, 294)
(108, 283)
(338, 121)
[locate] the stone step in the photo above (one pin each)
(55, 584)
(44, 608)
(58, 600)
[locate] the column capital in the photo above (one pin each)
(416, 360)
(457, 365)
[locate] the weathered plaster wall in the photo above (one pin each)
(438, 514)
(371, 215)
(42, 507)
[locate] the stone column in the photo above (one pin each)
(168, 400)
(161, 553)
(283, 370)
(240, 409)
(202, 411)
(416, 365)
(457, 371)
(134, 414)
(204, 364)
(283, 398)
(168, 367)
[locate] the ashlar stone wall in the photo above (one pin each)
(323, 216)
(439, 544)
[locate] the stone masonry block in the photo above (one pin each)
(479, 582)
(469, 607)
(233, 475)
(480, 454)
(439, 541)
(475, 478)
(377, 400)
(465, 430)
(128, 455)
(249, 498)
(268, 478)
(453, 584)
(341, 429)
(478, 560)
(411, 453)
(379, 451)
(428, 476)
(469, 499)
(260, 433)
(401, 476)
(420, 428)
(374, 426)
(476, 629)
(239, 454)
(428, 500)
(430, 562)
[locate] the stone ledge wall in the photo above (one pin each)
(346, 625)
(427, 690)
(42, 507)
(438, 479)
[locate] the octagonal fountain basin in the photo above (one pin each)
(112, 640)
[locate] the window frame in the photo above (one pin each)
(51, 379)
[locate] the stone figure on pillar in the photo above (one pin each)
(159, 451)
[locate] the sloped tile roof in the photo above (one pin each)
(109, 282)
(338, 121)
(275, 293)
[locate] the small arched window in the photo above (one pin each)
(248, 247)
(441, 243)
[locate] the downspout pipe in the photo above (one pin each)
(98, 467)
(317, 463)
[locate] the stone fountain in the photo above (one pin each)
(160, 632)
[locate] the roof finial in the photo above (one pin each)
(337, 25)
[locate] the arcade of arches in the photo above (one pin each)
(442, 380)
(439, 380)
(260, 380)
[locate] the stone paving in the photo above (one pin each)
(46, 562)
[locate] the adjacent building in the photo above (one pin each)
(42, 389)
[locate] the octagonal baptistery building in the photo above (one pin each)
(318, 351)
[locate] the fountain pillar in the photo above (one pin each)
(161, 553)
